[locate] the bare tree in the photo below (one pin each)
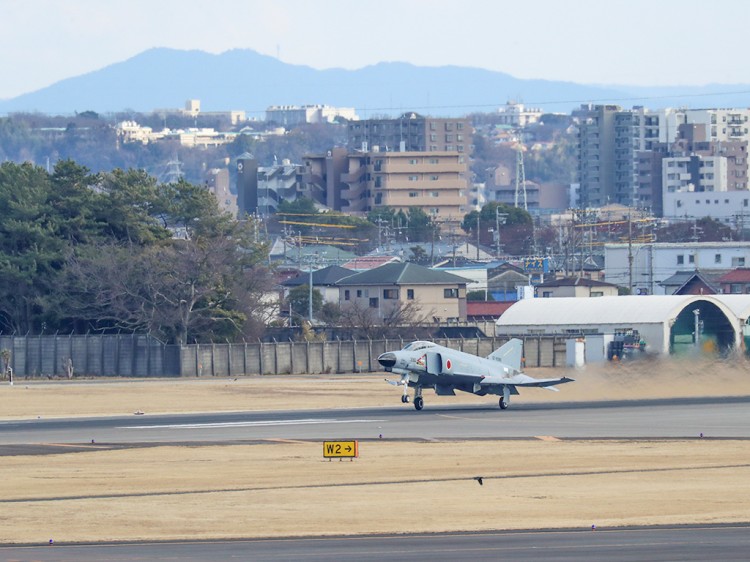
(387, 321)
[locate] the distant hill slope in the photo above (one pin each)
(244, 79)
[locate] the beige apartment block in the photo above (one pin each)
(435, 181)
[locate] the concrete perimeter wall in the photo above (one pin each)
(143, 356)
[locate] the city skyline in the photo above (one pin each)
(628, 42)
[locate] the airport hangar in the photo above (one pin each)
(665, 322)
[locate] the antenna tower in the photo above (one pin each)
(520, 178)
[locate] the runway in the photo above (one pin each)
(685, 543)
(681, 418)
(643, 419)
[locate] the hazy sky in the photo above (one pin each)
(636, 42)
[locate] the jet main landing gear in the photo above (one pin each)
(503, 404)
(418, 400)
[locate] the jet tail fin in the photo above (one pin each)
(509, 353)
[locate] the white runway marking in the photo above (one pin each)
(265, 423)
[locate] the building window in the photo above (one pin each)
(450, 293)
(434, 178)
(346, 295)
(374, 302)
(414, 194)
(680, 260)
(433, 137)
(359, 293)
(413, 161)
(434, 194)
(448, 138)
(738, 262)
(391, 294)
(410, 294)
(434, 160)
(717, 258)
(460, 126)
(413, 178)
(597, 293)
(546, 294)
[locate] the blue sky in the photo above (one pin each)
(634, 42)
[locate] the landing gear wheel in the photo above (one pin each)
(418, 402)
(405, 399)
(503, 404)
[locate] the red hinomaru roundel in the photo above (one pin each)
(448, 364)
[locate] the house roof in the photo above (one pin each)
(369, 262)
(402, 274)
(575, 282)
(682, 278)
(490, 308)
(739, 275)
(327, 276)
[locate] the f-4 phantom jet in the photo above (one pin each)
(423, 364)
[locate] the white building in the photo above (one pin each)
(694, 173)
(722, 124)
(296, 115)
(731, 207)
(666, 323)
(517, 115)
(653, 263)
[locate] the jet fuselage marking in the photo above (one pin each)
(265, 423)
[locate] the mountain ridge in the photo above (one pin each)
(244, 79)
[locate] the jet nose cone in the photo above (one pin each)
(387, 360)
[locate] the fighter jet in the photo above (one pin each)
(424, 364)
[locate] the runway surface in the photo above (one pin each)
(714, 418)
(670, 418)
(685, 543)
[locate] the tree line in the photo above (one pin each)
(118, 251)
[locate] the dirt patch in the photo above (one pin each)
(288, 489)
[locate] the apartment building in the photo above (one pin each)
(217, 182)
(621, 154)
(291, 115)
(596, 162)
(277, 183)
(411, 132)
(322, 176)
(436, 181)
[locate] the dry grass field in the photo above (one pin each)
(288, 489)
(282, 489)
(32, 399)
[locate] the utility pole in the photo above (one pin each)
(479, 215)
(500, 218)
(309, 296)
(630, 254)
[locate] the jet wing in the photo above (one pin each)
(525, 380)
